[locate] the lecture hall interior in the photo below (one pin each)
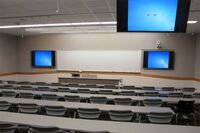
(99, 66)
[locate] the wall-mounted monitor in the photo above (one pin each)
(43, 58)
(152, 15)
(160, 60)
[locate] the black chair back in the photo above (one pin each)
(7, 128)
(38, 129)
(185, 107)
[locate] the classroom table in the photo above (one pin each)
(85, 80)
(103, 107)
(99, 86)
(93, 125)
(82, 86)
(76, 105)
(170, 100)
(95, 90)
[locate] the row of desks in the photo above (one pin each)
(161, 92)
(93, 125)
(76, 105)
(81, 86)
(62, 85)
(111, 97)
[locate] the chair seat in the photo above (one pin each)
(175, 94)
(7, 128)
(43, 89)
(63, 89)
(151, 94)
(105, 92)
(152, 102)
(83, 91)
(26, 95)
(160, 117)
(4, 105)
(148, 88)
(123, 101)
(55, 110)
(98, 100)
(70, 98)
(168, 89)
(38, 129)
(28, 108)
(9, 94)
(120, 115)
(89, 113)
(50, 97)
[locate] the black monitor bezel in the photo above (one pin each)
(171, 60)
(33, 59)
(181, 17)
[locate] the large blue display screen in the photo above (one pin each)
(43, 58)
(158, 59)
(152, 15)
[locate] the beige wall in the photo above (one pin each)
(8, 49)
(197, 58)
(182, 44)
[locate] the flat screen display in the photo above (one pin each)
(152, 15)
(43, 58)
(158, 59)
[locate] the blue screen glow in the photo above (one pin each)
(152, 15)
(158, 59)
(43, 58)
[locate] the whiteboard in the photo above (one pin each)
(106, 61)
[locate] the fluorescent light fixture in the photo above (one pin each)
(87, 23)
(95, 23)
(192, 22)
(114, 23)
(76, 32)
(57, 25)
(76, 29)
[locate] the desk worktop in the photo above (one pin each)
(93, 125)
(76, 105)
(135, 98)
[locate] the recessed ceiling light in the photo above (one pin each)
(192, 22)
(57, 25)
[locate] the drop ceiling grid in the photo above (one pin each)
(44, 11)
(81, 10)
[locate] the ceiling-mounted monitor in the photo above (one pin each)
(152, 15)
(43, 58)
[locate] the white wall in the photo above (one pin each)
(182, 44)
(8, 54)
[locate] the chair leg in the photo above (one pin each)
(74, 114)
(176, 119)
(194, 119)
(198, 119)
(138, 117)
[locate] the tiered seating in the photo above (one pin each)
(128, 91)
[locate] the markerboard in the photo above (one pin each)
(106, 61)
